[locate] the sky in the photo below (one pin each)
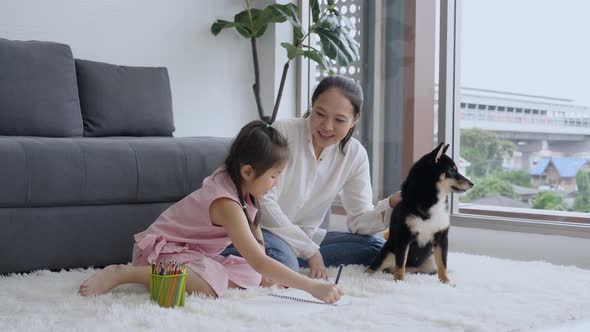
(539, 47)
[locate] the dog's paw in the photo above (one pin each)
(398, 276)
(448, 282)
(370, 271)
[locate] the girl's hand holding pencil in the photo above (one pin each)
(329, 293)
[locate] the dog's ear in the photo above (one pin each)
(435, 151)
(446, 147)
(439, 151)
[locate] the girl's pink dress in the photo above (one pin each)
(184, 233)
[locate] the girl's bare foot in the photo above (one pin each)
(103, 280)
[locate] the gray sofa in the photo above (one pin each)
(87, 157)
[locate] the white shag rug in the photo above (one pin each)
(490, 295)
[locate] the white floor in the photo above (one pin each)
(573, 326)
(490, 295)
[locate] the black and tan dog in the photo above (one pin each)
(420, 222)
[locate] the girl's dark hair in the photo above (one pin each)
(350, 89)
(260, 146)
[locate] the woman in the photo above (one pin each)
(325, 160)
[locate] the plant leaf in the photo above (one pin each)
(266, 16)
(297, 35)
(337, 41)
(292, 50)
(278, 14)
(260, 32)
(244, 24)
(260, 19)
(219, 25)
(312, 54)
(315, 10)
(244, 18)
(245, 32)
(346, 23)
(289, 11)
(329, 22)
(317, 57)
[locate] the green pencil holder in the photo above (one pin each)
(168, 290)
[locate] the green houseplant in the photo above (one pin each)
(335, 34)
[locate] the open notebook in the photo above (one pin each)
(296, 299)
(292, 304)
(297, 295)
(294, 294)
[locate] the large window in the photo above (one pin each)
(520, 110)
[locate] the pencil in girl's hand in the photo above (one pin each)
(338, 275)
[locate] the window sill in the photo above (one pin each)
(523, 213)
(522, 225)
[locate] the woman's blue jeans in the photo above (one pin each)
(336, 248)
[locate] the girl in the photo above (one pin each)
(326, 160)
(196, 229)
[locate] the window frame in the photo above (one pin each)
(502, 219)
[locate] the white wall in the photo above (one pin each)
(211, 77)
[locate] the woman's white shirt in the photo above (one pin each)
(295, 208)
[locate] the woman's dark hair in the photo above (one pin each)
(260, 146)
(350, 89)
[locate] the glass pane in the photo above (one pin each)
(524, 110)
(385, 68)
(436, 72)
(354, 11)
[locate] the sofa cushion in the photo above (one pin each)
(71, 237)
(38, 91)
(41, 172)
(123, 100)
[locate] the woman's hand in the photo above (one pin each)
(317, 269)
(395, 199)
(328, 293)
